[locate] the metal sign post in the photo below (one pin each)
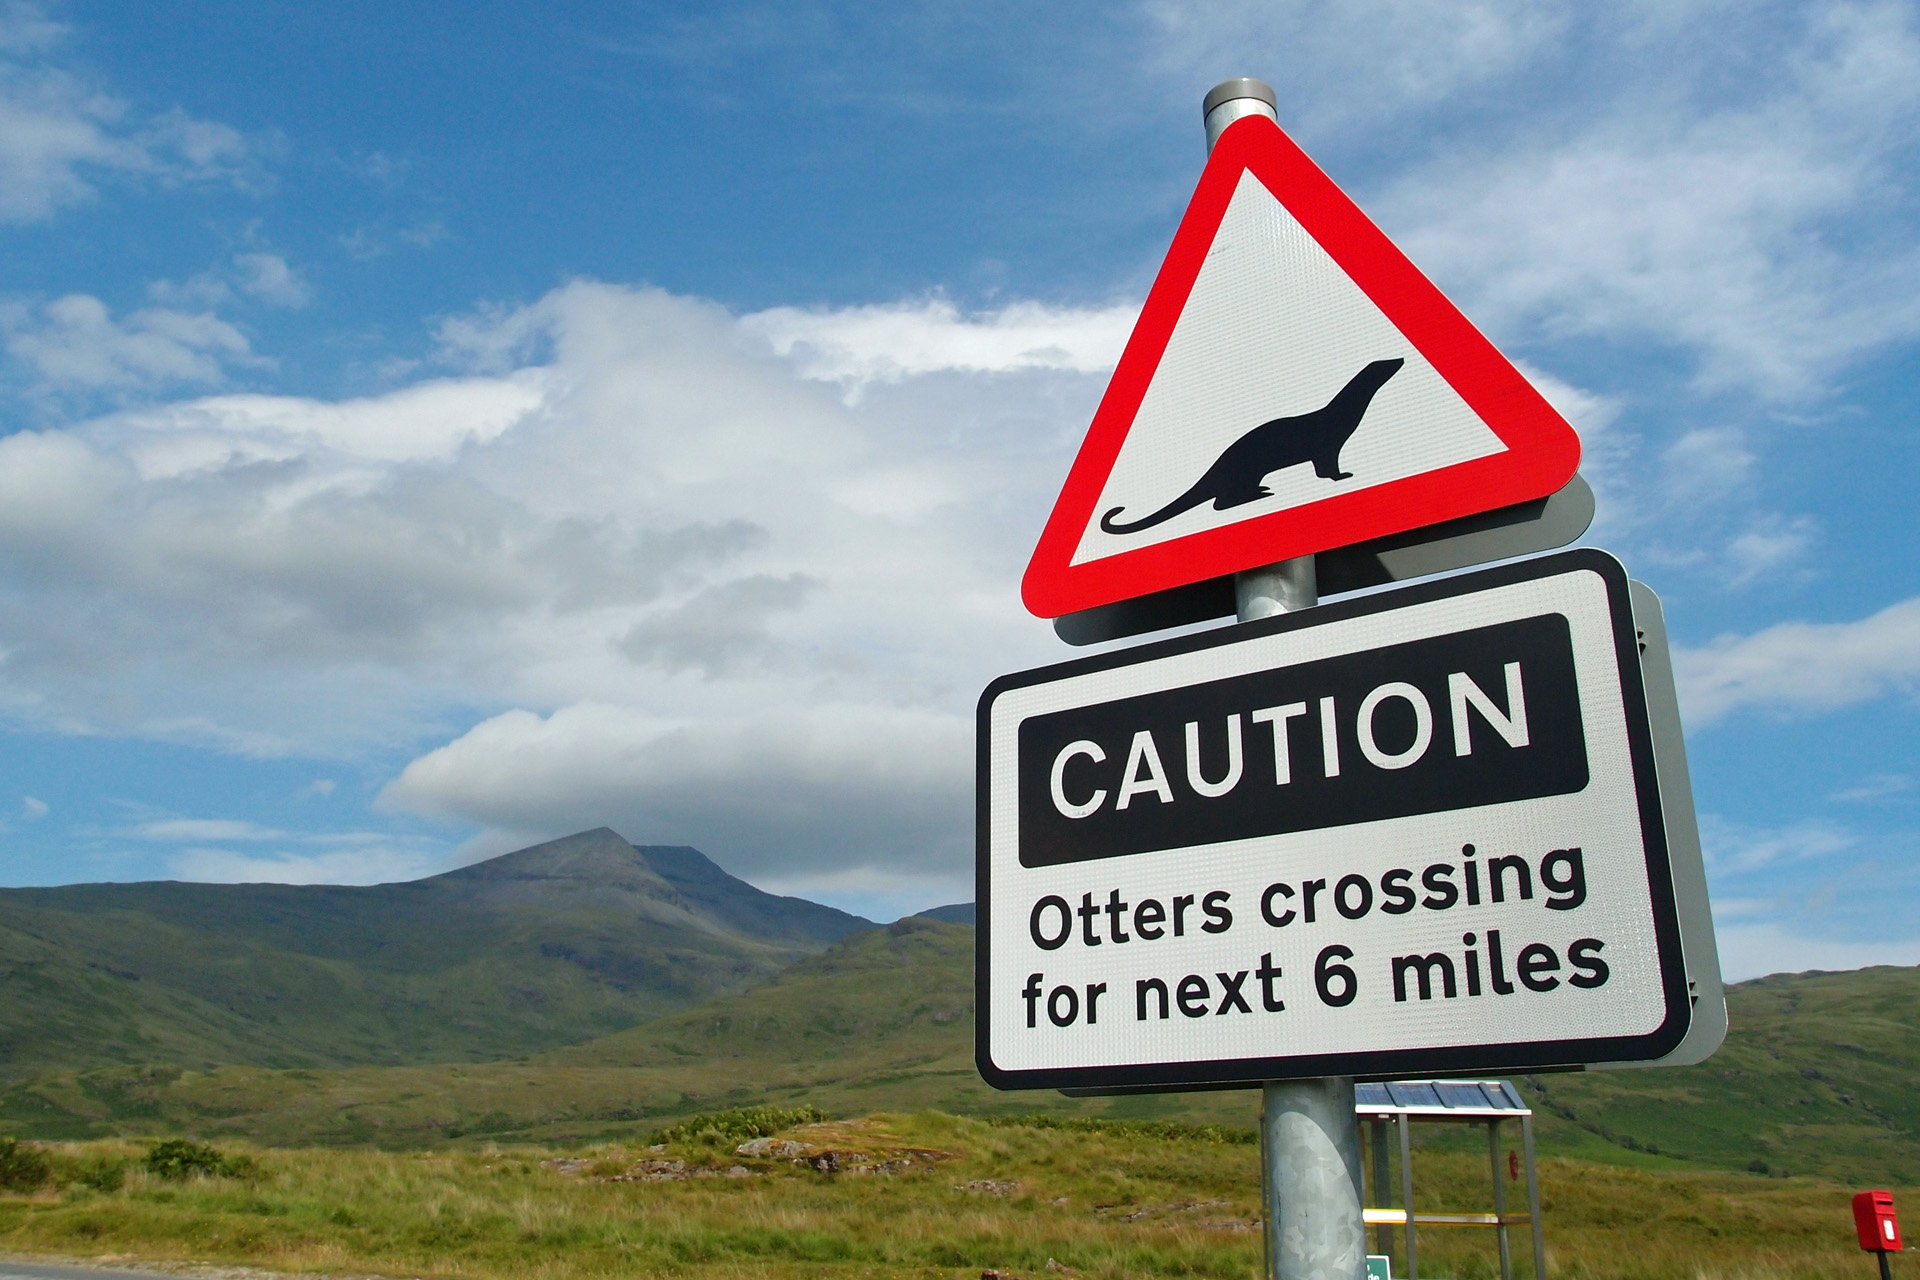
(1311, 1184)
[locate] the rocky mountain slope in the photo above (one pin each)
(551, 945)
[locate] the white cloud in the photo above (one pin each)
(878, 893)
(1591, 413)
(1355, 63)
(369, 243)
(1878, 786)
(1771, 545)
(856, 346)
(721, 630)
(74, 342)
(268, 277)
(374, 863)
(31, 808)
(1802, 666)
(1763, 235)
(1781, 902)
(1707, 462)
(799, 787)
(427, 421)
(206, 853)
(1755, 950)
(60, 133)
(662, 578)
(195, 830)
(1734, 848)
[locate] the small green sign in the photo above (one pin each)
(1379, 1267)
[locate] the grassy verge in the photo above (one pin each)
(952, 1197)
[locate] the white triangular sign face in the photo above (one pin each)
(1274, 329)
(1294, 384)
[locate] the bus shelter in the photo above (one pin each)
(1488, 1102)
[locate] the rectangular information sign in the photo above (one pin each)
(1415, 833)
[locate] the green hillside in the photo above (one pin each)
(540, 948)
(883, 1018)
(1818, 1075)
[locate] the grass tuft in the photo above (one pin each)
(178, 1159)
(740, 1124)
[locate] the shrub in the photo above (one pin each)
(739, 1125)
(101, 1173)
(23, 1168)
(177, 1159)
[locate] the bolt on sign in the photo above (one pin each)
(1414, 833)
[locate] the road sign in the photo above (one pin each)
(1544, 524)
(1417, 832)
(1293, 384)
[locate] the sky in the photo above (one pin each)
(426, 430)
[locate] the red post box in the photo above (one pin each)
(1873, 1219)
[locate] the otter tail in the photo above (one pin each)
(1185, 502)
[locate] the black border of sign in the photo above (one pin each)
(1448, 1060)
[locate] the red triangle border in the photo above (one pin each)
(1542, 451)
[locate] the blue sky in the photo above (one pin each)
(424, 430)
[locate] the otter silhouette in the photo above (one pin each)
(1235, 476)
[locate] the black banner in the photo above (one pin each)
(1476, 717)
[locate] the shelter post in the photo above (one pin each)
(1406, 1194)
(1533, 1201)
(1382, 1185)
(1499, 1200)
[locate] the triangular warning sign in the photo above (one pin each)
(1293, 384)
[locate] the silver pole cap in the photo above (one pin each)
(1232, 100)
(1242, 87)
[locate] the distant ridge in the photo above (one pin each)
(543, 947)
(952, 913)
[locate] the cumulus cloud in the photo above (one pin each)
(823, 786)
(652, 571)
(1802, 666)
(60, 133)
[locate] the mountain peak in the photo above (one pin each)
(602, 855)
(601, 869)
